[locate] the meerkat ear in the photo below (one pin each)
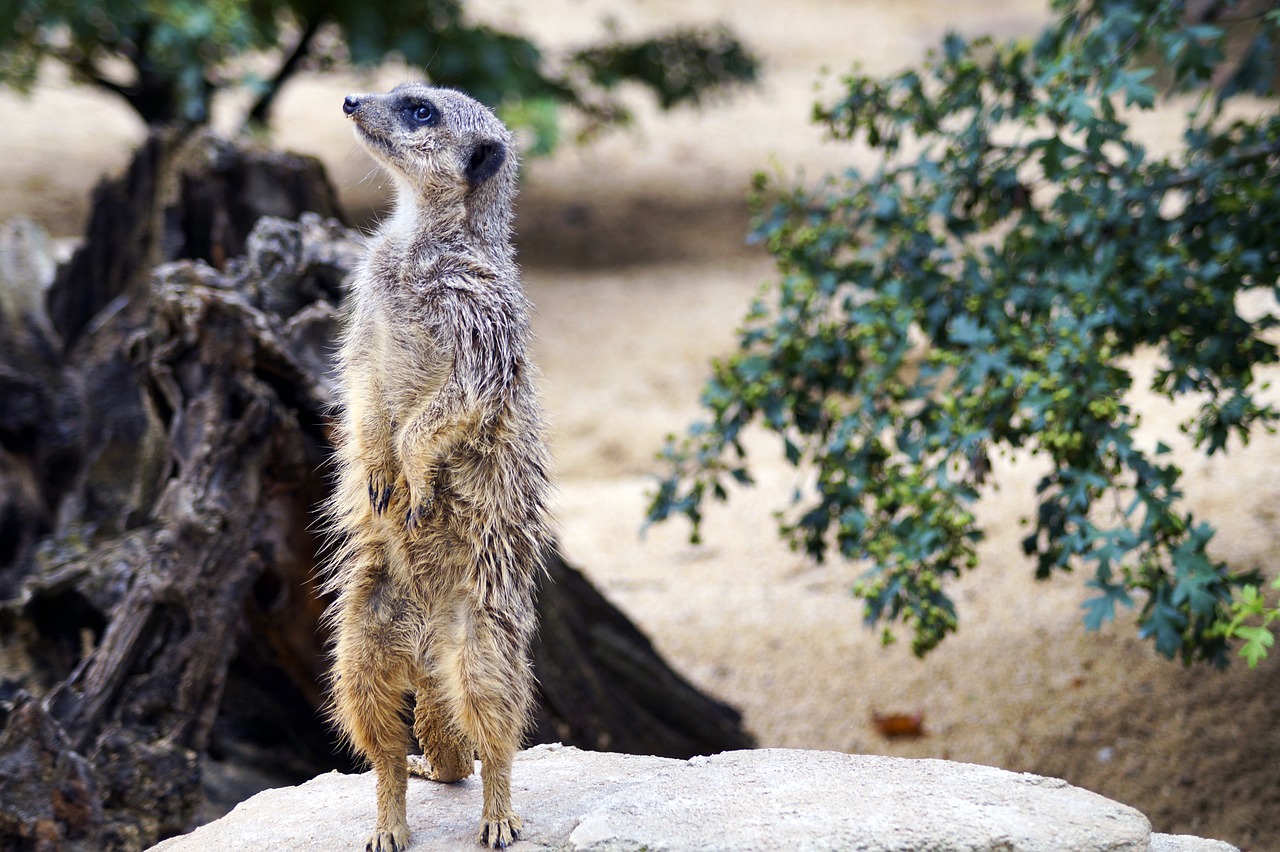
(486, 158)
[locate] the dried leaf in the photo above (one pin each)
(894, 726)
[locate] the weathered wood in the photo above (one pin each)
(30, 383)
(51, 795)
(183, 196)
(604, 687)
(160, 595)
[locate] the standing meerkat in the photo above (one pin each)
(439, 512)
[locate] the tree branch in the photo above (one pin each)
(261, 110)
(81, 65)
(1177, 180)
(1243, 157)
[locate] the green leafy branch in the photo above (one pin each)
(975, 295)
(1258, 637)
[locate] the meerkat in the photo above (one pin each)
(440, 505)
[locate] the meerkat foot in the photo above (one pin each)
(500, 833)
(414, 517)
(420, 767)
(388, 840)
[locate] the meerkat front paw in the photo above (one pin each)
(393, 840)
(500, 833)
(421, 501)
(380, 489)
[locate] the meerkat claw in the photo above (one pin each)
(500, 833)
(419, 510)
(415, 519)
(379, 493)
(396, 840)
(379, 499)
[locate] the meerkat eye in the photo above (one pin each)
(422, 113)
(418, 112)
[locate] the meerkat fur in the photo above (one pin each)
(439, 511)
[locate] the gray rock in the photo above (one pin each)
(766, 799)
(1187, 843)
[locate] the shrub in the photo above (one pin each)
(979, 293)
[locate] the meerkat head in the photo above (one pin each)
(441, 146)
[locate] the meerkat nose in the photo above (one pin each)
(350, 104)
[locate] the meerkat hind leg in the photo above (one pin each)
(391, 833)
(495, 688)
(385, 748)
(447, 754)
(368, 699)
(382, 736)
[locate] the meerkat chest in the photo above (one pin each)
(393, 345)
(412, 359)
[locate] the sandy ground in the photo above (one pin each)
(634, 254)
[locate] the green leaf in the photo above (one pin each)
(1196, 579)
(1165, 624)
(1257, 641)
(1102, 609)
(793, 452)
(753, 367)
(1136, 92)
(965, 331)
(1053, 151)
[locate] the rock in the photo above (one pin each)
(1187, 843)
(740, 800)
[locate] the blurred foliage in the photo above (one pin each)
(981, 291)
(168, 58)
(1251, 621)
(676, 67)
